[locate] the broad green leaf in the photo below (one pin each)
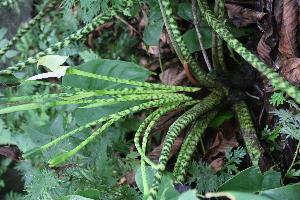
(233, 195)
(185, 11)
(166, 190)
(152, 33)
(253, 184)
(113, 68)
(93, 194)
(2, 33)
(256, 181)
(9, 79)
(288, 192)
(190, 195)
(191, 39)
(11, 53)
(271, 180)
(153, 30)
(221, 116)
(74, 197)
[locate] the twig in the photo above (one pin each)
(131, 27)
(189, 75)
(200, 36)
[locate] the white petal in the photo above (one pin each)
(45, 75)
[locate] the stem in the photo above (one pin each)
(130, 82)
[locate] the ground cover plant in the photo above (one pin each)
(223, 122)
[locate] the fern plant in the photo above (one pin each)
(104, 97)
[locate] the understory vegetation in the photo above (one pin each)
(151, 99)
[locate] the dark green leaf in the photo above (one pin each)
(221, 116)
(152, 33)
(92, 194)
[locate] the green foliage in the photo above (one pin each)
(3, 41)
(290, 122)
(166, 191)
(233, 158)
(208, 180)
(277, 98)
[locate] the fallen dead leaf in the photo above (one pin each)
(241, 16)
(217, 164)
(291, 70)
(155, 154)
(288, 28)
(173, 76)
(220, 146)
(13, 153)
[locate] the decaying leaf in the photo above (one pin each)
(13, 153)
(264, 51)
(291, 70)
(217, 164)
(154, 155)
(220, 145)
(241, 16)
(288, 29)
(173, 76)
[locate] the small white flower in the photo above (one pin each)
(52, 62)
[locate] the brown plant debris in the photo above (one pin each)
(288, 28)
(291, 70)
(241, 16)
(13, 153)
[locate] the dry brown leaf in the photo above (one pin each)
(220, 146)
(264, 51)
(13, 153)
(130, 177)
(288, 29)
(173, 76)
(291, 70)
(241, 16)
(154, 155)
(217, 164)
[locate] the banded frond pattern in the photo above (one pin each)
(151, 104)
(34, 21)
(149, 122)
(130, 82)
(190, 143)
(100, 19)
(275, 78)
(248, 132)
(172, 134)
(179, 45)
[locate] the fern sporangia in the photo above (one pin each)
(163, 97)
